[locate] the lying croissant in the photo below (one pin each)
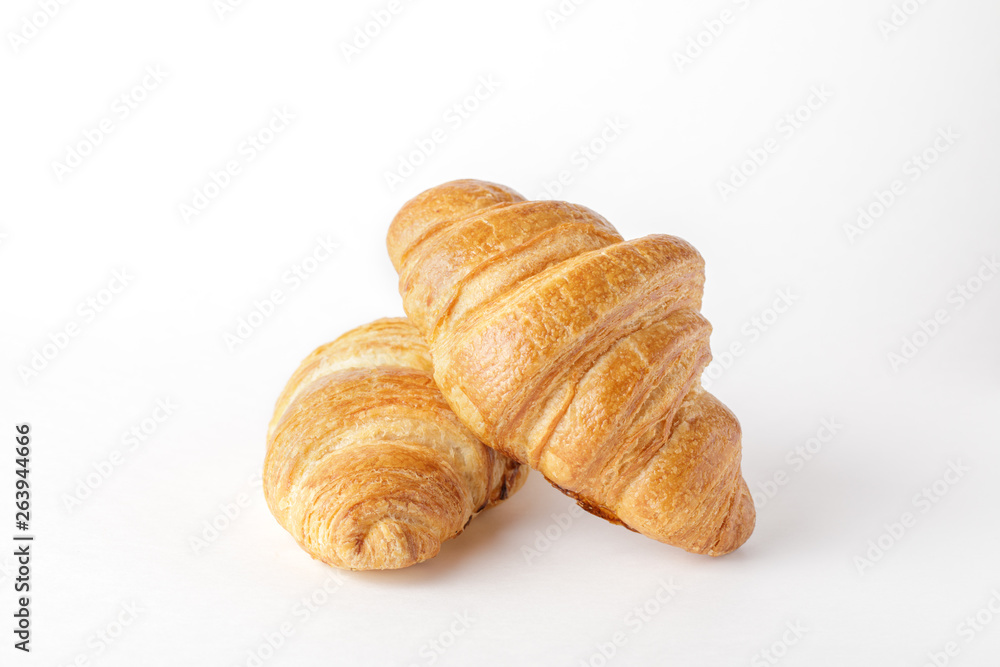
(565, 347)
(366, 465)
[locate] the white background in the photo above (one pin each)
(685, 127)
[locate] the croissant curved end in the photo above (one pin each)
(448, 201)
(387, 543)
(392, 544)
(738, 526)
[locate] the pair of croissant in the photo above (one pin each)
(532, 327)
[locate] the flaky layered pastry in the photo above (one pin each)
(568, 348)
(367, 467)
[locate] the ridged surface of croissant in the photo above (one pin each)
(579, 353)
(367, 467)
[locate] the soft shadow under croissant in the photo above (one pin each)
(570, 349)
(367, 467)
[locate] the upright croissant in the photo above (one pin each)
(366, 465)
(565, 347)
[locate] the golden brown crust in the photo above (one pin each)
(367, 466)
(565, 347)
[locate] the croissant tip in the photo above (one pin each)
(391, 544)
(738, 526)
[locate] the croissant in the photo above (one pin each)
(569, 349)
(367, 467)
